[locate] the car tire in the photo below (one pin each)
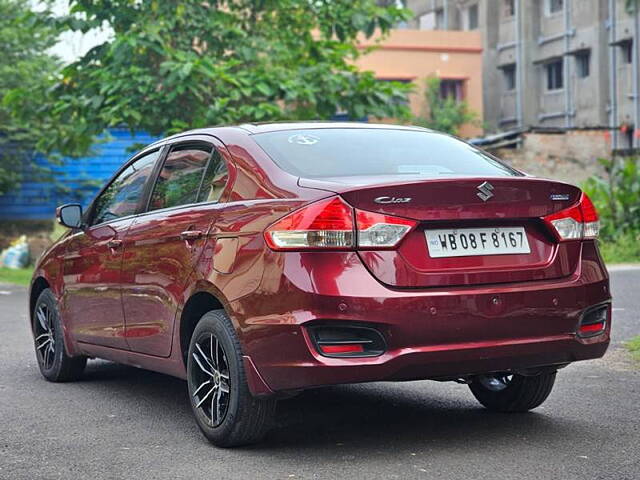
(51, 354)
(512, 393)
(225, 410)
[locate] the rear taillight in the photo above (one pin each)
(589, 217)
(329, 224)
(376, 230)
(577, 222)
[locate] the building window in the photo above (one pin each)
(554, 6)
(626, 49)
(452, 89)
(509, 8)
(440, 20)
(554, 75)
(472, 17)
(509, 73)
(583, 60)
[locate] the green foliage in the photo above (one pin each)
(445, 114)
(26, 72)
(625, 248)
(176, 65)
(617, 197)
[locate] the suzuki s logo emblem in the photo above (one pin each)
(385, 200)
(486, 191)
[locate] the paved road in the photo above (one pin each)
(122, 422)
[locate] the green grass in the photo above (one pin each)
(633, 346)
(21, 276)
(623, 249)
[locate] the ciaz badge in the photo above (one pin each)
(392, 200)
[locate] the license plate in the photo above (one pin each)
(466, 242)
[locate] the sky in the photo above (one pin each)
(73, 45)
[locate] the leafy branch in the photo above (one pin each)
(170, 66)
(446, 114)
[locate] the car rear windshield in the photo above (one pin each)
(346, 152)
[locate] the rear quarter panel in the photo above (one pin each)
(234, 259)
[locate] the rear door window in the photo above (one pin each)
(181, 177)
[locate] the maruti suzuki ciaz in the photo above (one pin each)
(261, 260)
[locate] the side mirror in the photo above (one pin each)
(70, 215)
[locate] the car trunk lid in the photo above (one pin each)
(504, 204)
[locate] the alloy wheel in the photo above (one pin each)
(44, 336)
(210, 378)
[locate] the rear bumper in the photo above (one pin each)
(430, 334)
(450, 361)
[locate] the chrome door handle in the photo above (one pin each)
(191, 235)
(114, 243)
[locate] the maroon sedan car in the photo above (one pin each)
(261, 260)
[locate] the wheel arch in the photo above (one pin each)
(39, 285)
(202, 300)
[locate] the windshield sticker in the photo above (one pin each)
(303, 139)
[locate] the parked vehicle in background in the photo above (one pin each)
(261, 260)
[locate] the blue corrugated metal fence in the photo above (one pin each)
(75, 180)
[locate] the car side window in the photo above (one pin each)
(122, 196)
(215, 179)
(181, 176)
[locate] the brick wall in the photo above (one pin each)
(570, 156)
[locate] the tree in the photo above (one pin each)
(445, 114)
(26, 71)
(176, 65)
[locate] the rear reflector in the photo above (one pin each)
(346, 340)
(594, 327)
(329, 224)
(347, 348)
(577, 222)
(593, 321)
